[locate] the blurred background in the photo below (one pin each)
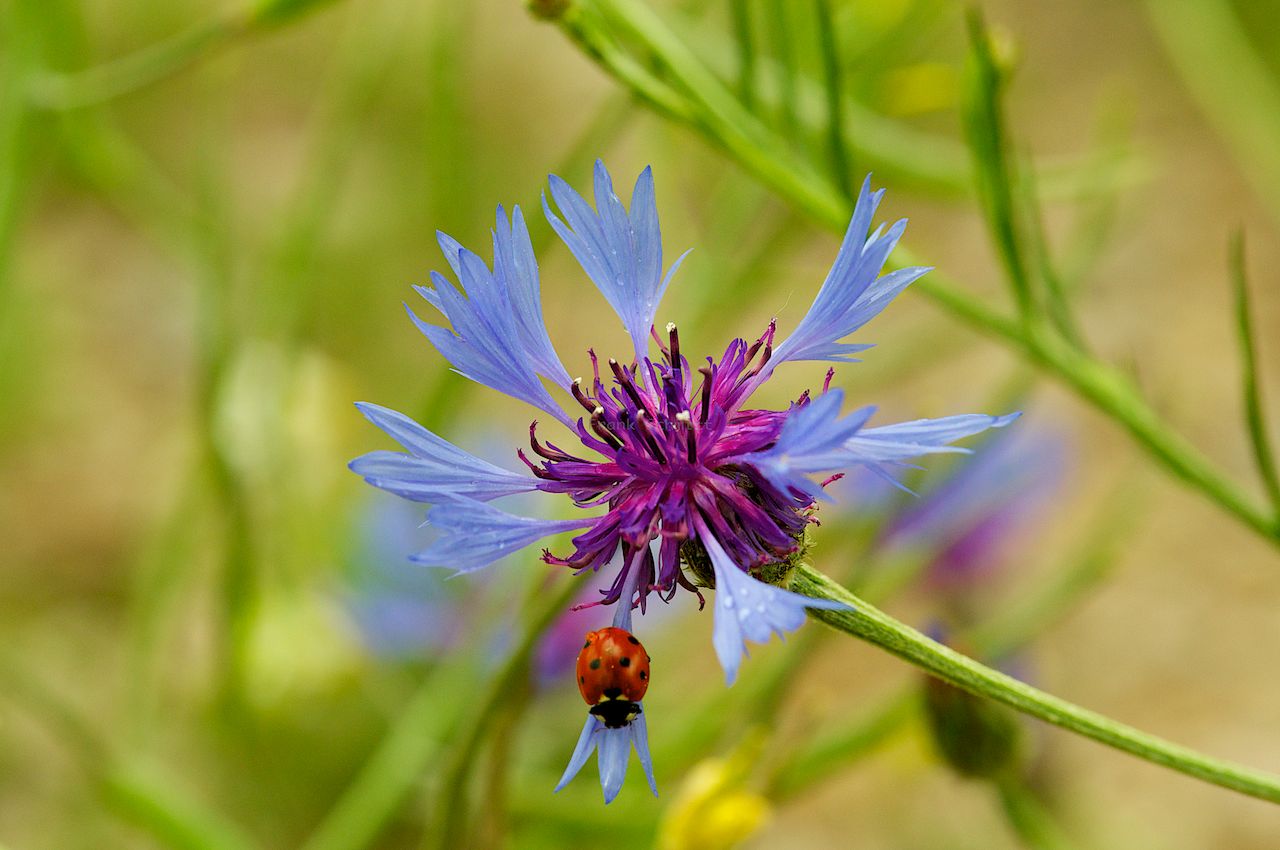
(210, 214)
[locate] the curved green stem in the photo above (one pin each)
(53, 90)
(869, 623)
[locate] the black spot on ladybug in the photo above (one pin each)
(626, 662)
(644, 675)
(585, 645)
(595, 664)
(632, 639)
(612, 693)
(582, 679)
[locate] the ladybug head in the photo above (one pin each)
(616, 713)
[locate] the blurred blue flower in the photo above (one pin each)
(402, 612)
(971, 519)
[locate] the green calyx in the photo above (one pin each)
(697, 564)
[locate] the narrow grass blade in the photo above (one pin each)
(1259, 438)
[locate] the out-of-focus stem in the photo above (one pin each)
(1255, 418)
(1028, 817)
(144, 797)
(70, 90)
(833, 88)
(1229, 80)
(448, 827)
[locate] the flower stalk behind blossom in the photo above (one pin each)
(675, 465)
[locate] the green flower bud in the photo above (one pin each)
(975, 736)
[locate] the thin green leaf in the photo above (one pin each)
(740, 13)
(137, 70)
(1057, 303)
(1259, 439)
(784, 68)
(833, 88)
(1231, 82)
(989, 146)
(1029, 817)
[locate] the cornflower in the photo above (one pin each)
(677, 467)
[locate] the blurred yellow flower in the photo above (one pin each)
(713, 810)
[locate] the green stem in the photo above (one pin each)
(784, 66)
(1263, 456)
(1028, 817)
(394, 767)
(869, 623)
(833, 88)
(130, 73)
(989, 143)
(741, 15)
(152, 801)
(1231, 82)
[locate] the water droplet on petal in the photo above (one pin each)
(728, 601)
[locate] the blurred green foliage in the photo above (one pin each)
(208, 216)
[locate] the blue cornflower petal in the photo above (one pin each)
(621, 252)
(515, 263)
(498, 336)
(905, 440)
(614, 751)
(474, 535)
(852, 294)
(748, 609)
(434, 469)
(640, 740)
(581, 751)
(812, 440)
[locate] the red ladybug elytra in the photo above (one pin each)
(613, 675)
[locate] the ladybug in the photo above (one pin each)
(613, 674)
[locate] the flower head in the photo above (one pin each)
(676, 466)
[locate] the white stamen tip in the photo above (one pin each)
(577, 381)
(671, 326)
(683, 416)
(599, 411)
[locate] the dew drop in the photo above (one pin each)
(728, 601)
